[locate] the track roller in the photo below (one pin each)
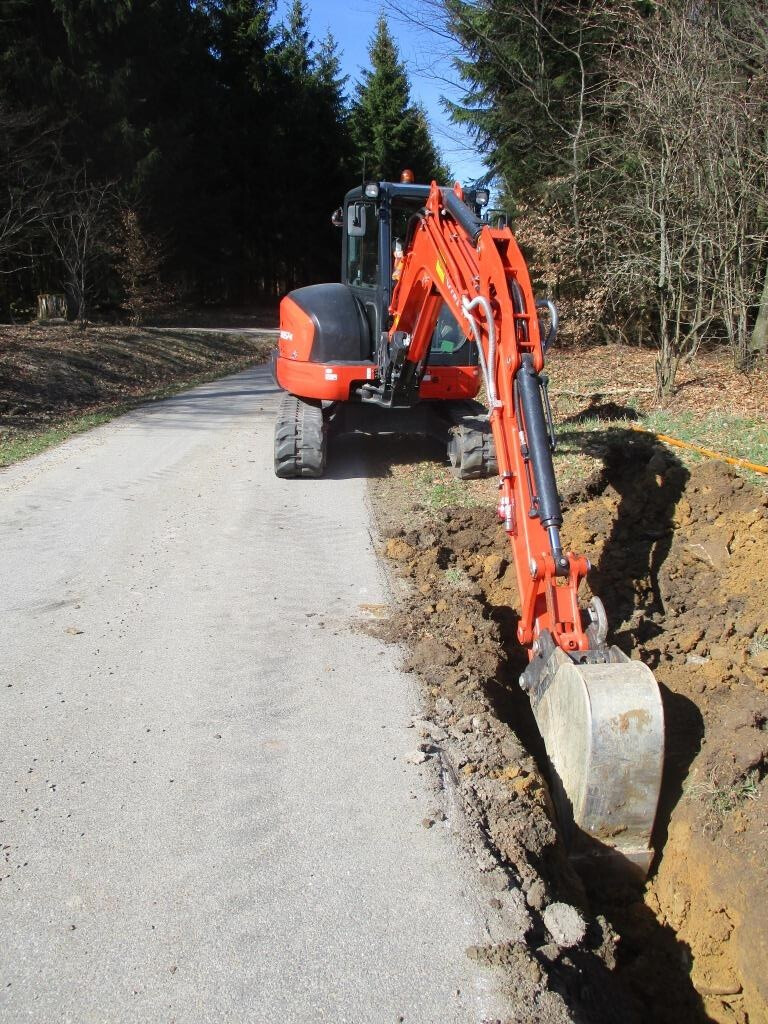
(300, 438)
(471, 451)
(603, 728)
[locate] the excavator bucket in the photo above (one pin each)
(603, 729)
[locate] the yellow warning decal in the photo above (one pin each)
(440, 270)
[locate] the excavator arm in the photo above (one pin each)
(481, 275)
(599, 713)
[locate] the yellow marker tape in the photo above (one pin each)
(440, 270)
(744, 463)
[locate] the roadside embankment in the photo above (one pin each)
(58, 380)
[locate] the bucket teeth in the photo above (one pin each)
(603, 728)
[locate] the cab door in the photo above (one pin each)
(362, 262)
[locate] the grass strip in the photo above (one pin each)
(583, 441)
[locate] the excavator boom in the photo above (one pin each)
(481, 275)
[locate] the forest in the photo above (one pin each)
(630, 144)
(191, 150)
(154, 151)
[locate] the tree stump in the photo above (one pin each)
(51, 307)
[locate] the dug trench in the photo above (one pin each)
(680, 560)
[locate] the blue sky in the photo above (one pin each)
(352, 24)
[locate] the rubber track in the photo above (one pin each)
(471, 449)
(300, 438)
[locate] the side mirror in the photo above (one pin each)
(356, 220)
(337, 218)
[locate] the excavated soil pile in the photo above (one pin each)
(681, 562)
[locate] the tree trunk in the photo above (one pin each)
(666, 370)
(668, 357)
(759, 341)
(51, 307)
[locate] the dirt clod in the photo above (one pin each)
(416, 757)
(565, 924)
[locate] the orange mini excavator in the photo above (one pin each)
(435, 303)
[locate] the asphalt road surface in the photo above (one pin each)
(207, 811)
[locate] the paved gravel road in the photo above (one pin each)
(207, 814)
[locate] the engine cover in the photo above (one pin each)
(324, 323)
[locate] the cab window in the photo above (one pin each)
(402, 211)
(449, 346)
(362, 245)
(448, 336)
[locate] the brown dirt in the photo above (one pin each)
(53, 371)
(681, 563)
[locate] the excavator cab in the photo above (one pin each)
(377, 217)
(335, 337)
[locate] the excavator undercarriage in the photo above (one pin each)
(305, 428)
(418, 325)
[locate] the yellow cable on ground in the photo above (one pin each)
(701, 451)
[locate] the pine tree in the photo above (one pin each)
(297, 48)
(228, 135)
(242, 35)
(332, 158)
(389, 132)
(243, 41)
(307, 143)
(423, 148)
(528, 76)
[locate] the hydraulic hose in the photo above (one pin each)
(554, 321)
(489, 365)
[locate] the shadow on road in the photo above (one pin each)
(362, 456)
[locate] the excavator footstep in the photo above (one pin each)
(603, 729)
